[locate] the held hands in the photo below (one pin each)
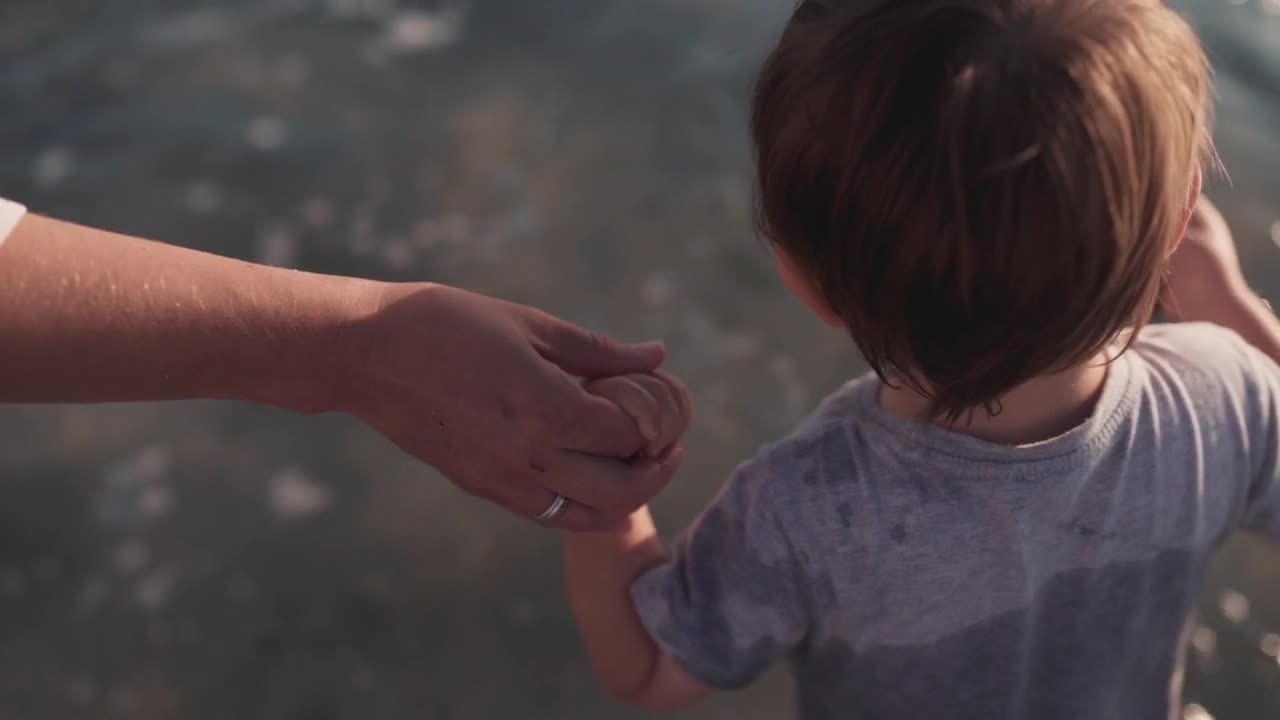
(659, 404)
(488, 392)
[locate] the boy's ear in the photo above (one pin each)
(1193, 199)
(802, 285)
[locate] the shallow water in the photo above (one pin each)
(214, 560)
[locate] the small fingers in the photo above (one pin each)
(666, 411)
(683, 398)
(595, 425)
(636, 399)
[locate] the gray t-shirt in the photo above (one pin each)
(910, 572)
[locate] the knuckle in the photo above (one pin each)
(598, 341)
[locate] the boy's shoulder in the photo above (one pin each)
(1189, 338)
(1203, 357)
(1206, 366)
(819, 444)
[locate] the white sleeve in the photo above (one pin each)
(10, 213)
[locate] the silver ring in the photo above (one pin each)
(558, 505)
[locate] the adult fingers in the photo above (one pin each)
(683, 398)
(613, 487)
(534, 503)
(572, 515)
(589, 354)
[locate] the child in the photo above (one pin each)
(1011, 517)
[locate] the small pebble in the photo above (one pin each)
(267, 133)
(53, 166)
(657, 290)
(1270, 645)
(152, 462)
(131, 556)
(1234, 606)
(292, 494)
(397, 253)
(202, 197)
(153, 591)
(318, 212)
(278, 245)
(157, 500)
(410, 31)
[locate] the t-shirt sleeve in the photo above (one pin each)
(10, 213)
(731, 600)
(1262, 504)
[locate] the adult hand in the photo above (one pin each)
(488, 392)
(483, 390)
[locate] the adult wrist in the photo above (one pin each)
(363, 334)
(322, 361)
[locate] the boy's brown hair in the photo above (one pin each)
(983, 190)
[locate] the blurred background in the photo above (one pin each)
(216, 560)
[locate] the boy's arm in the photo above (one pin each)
(1205, 283)
(601, 568)
(730, 600)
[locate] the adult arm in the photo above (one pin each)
(479, 388)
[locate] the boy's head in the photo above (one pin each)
(981, 191)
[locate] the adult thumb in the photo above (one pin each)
(589, 354)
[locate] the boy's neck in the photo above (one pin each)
(1041, 408)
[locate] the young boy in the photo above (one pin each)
(1012, 516)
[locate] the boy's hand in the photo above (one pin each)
(1204, 272)
(659, 404)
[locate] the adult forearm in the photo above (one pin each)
(600, 568)
(94, 316)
